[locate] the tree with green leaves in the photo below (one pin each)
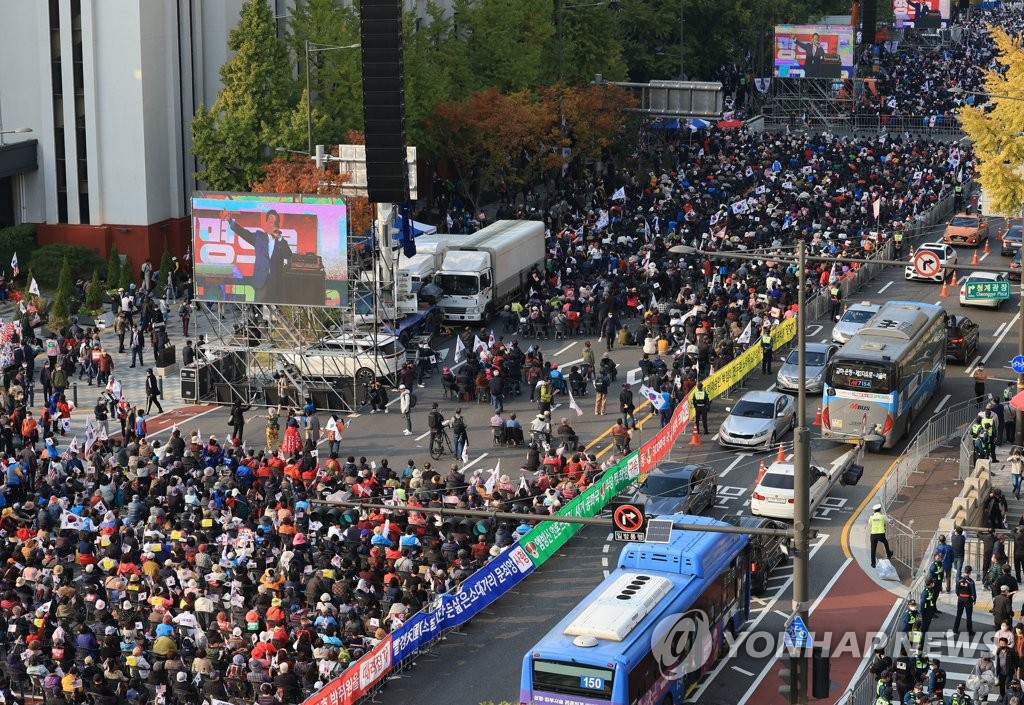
(505, 43)
(232, 138)
(435, 71)
(60, 309)
(113, 268)
(166, 267)
(335, 75)
(94, 295)
(126, 281)
(590, 42)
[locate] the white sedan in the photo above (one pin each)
(947, 261)
(988, 283)
(774, 497)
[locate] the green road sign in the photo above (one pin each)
(987, 291)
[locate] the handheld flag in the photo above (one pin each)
(657, 400)
(14, 265)
(33, 288)
(620, 194)
(478, 344)
(493, 479)
(572, 403)
(744, 338)
(490, 340)
(70, 521)
(460, 350)
(465, 453)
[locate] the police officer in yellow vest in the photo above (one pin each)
(988, 423)
(701, 404)
(767, 343)
(876, 526)
(835, 295)
(958, 197)
(897, 239)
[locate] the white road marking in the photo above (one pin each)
(604, 561)
(571, 362)
(473, 462)
(422, 436)
(781, 614)
(771, 387)
(749, 629)
(942, 403)
(1000, 328)
(567, 347)
(970, 368)
(606, 548)
(882, 290)
(732, 465)
(999, 338)
(983, 256)
(743, 671)
(814, 330)
(821, 595)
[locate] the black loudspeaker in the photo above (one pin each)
(869, 18)
(387, 176)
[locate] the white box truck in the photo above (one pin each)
(483, 271)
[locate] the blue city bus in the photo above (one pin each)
(652, 629)
(884, 376)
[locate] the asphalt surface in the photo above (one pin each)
(482, 662)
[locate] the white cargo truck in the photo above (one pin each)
(483, 271)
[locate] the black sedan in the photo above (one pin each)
(962, 336)
(766, 552)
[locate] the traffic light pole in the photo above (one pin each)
(801, 485)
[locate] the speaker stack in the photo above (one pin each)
(387, 176)
(869, 15)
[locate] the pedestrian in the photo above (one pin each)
(936, 679)
(876, 525)
(994, 509)
(334, 429)
(1002, 607)
(966, 596)
(460, 437)
(236, 419)
(979, 381)
(495, 388)
(1006, 664)
(152, 391)
(1016, 468)
(609, 329)
(958, 542)
(935, 571)
(767, 346)
(701, 405)
(601, 384)
(140, 424)
(102, 416)
(185, 313)
(273, 419)
(121, 329)
(929, 605)
(137, 342)
(405, 407)
(947, 554)
(626, 406)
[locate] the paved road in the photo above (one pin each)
(494, 644)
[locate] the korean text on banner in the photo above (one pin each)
(357, 680)
(450, 610)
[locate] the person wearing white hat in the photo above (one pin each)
(876, 526)
(405, 407)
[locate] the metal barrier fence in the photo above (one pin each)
(862, 124)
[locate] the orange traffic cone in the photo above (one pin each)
(817, 417)
(781, 456)
(760, 473)
(986, 246)
(695, 438)
(945, 292)
(952, 282)
(974, 257)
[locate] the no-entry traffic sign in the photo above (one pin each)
(927, 263)
(630, 521)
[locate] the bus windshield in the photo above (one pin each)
(860, 376)
(458, 284)
(572, 679)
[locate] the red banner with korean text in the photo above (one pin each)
(658, 447)
(357, 680)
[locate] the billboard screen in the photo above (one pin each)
(269, 248)
(927, 14)
(813, 51)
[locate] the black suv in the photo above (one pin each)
(766, 552)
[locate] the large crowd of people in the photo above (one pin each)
(136, 570)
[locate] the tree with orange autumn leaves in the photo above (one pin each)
(293, 173)
(518, 137)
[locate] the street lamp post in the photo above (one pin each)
(312, 48)
(1018, 438)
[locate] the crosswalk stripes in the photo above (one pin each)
(959, 657)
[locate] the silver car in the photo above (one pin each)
(758, 420)
(852, 321)
(818, 355)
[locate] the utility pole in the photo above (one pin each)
(801, 483)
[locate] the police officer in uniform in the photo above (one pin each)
(929, 604)
(905, 675)
(912, 628)
(988, 423)
(936, 679)
(876, 526)
(884, 697)
(701, 404)
(897, 239)
(960, 696)
(966, 596)
(958, 197)
(1010, 417)
(767, 343)
(835, 295)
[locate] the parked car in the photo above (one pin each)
(966, 229)
(852, 321)
(962, 336)
(766, 552)
(759, 419)
(678, 488)
(947, 261)
(360, 355)
(984, 278)
(1011, 240)
(818, 354)
(774, 496)
(1013, 271)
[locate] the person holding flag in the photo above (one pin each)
(15, 270)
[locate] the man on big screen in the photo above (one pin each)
(272, 254)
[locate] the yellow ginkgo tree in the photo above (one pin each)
(997, 134)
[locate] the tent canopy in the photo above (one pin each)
(417, 227)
